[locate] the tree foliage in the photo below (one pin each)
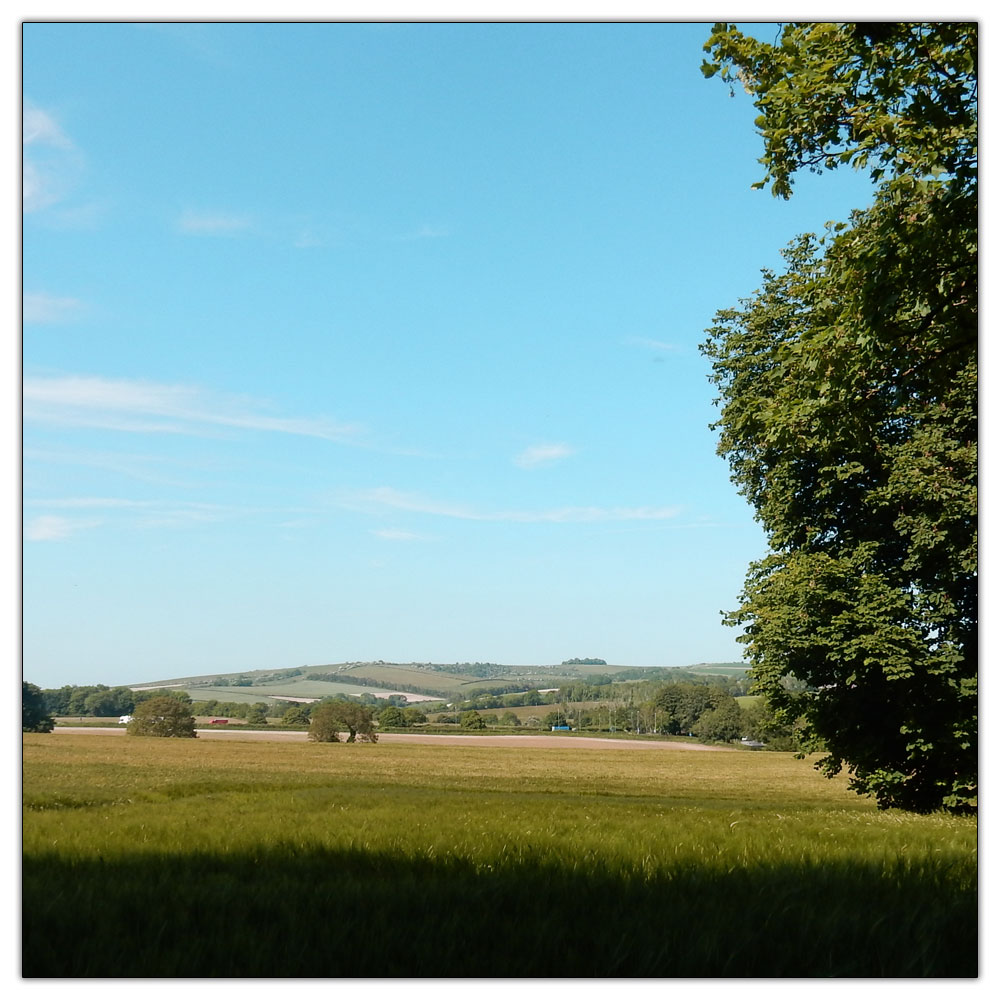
(471, 720)
(163, 716)
(848, 389)
(296, 715)
(392, 716)
(331, 718)
(723, 722)
(34, 715)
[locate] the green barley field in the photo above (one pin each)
(239, 858)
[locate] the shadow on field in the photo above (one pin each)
(325, 913)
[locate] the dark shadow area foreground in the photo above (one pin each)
(287, 913)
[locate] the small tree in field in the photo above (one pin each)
(257, 716)
(331, 718)
(162, 717)
(472, 720)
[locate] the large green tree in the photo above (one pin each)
(848, 386)
(162, 716)
(331, 718)
(34, 715)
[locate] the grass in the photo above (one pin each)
(148, 857)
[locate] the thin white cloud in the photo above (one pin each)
(53, 528)
(41, 308)
(212, 223)
(50, 160)
(131, 514)
(148, 468)
(377, 500)
(397, 535)
(150, 407)
(76, 503)
(542, 454)
(40, 128)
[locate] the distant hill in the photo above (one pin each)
(419, 681)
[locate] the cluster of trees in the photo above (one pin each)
(35, 716)
(101, 701)
(706, 711)
(703, 710)
(591, 660)
(597, 689)
(848, 386)
(395, 717)
(486, 700)
(255, 713)
(258, 677)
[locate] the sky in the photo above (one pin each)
(358, 341)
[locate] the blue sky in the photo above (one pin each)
(380, 341)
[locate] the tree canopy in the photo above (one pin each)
(162, 716)
(34, 715)
(331, 718)
(848, 391)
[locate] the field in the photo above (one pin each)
(302, 689)
(232, 858)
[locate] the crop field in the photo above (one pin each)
(303, 689)
(231, 858)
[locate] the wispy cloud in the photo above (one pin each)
(50, 160)
(119, 511)
(542, 454)
(40, 128)
(53, 528)
(154, 468)
(41, 308)
(397, 535)
(213, 223)
(377, 500)
(76, 503)
(151, 407)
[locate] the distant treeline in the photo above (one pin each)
(692, 708)
(601, 687)
(100, 700)
(248, 680)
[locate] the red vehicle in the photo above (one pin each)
(217, 722)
